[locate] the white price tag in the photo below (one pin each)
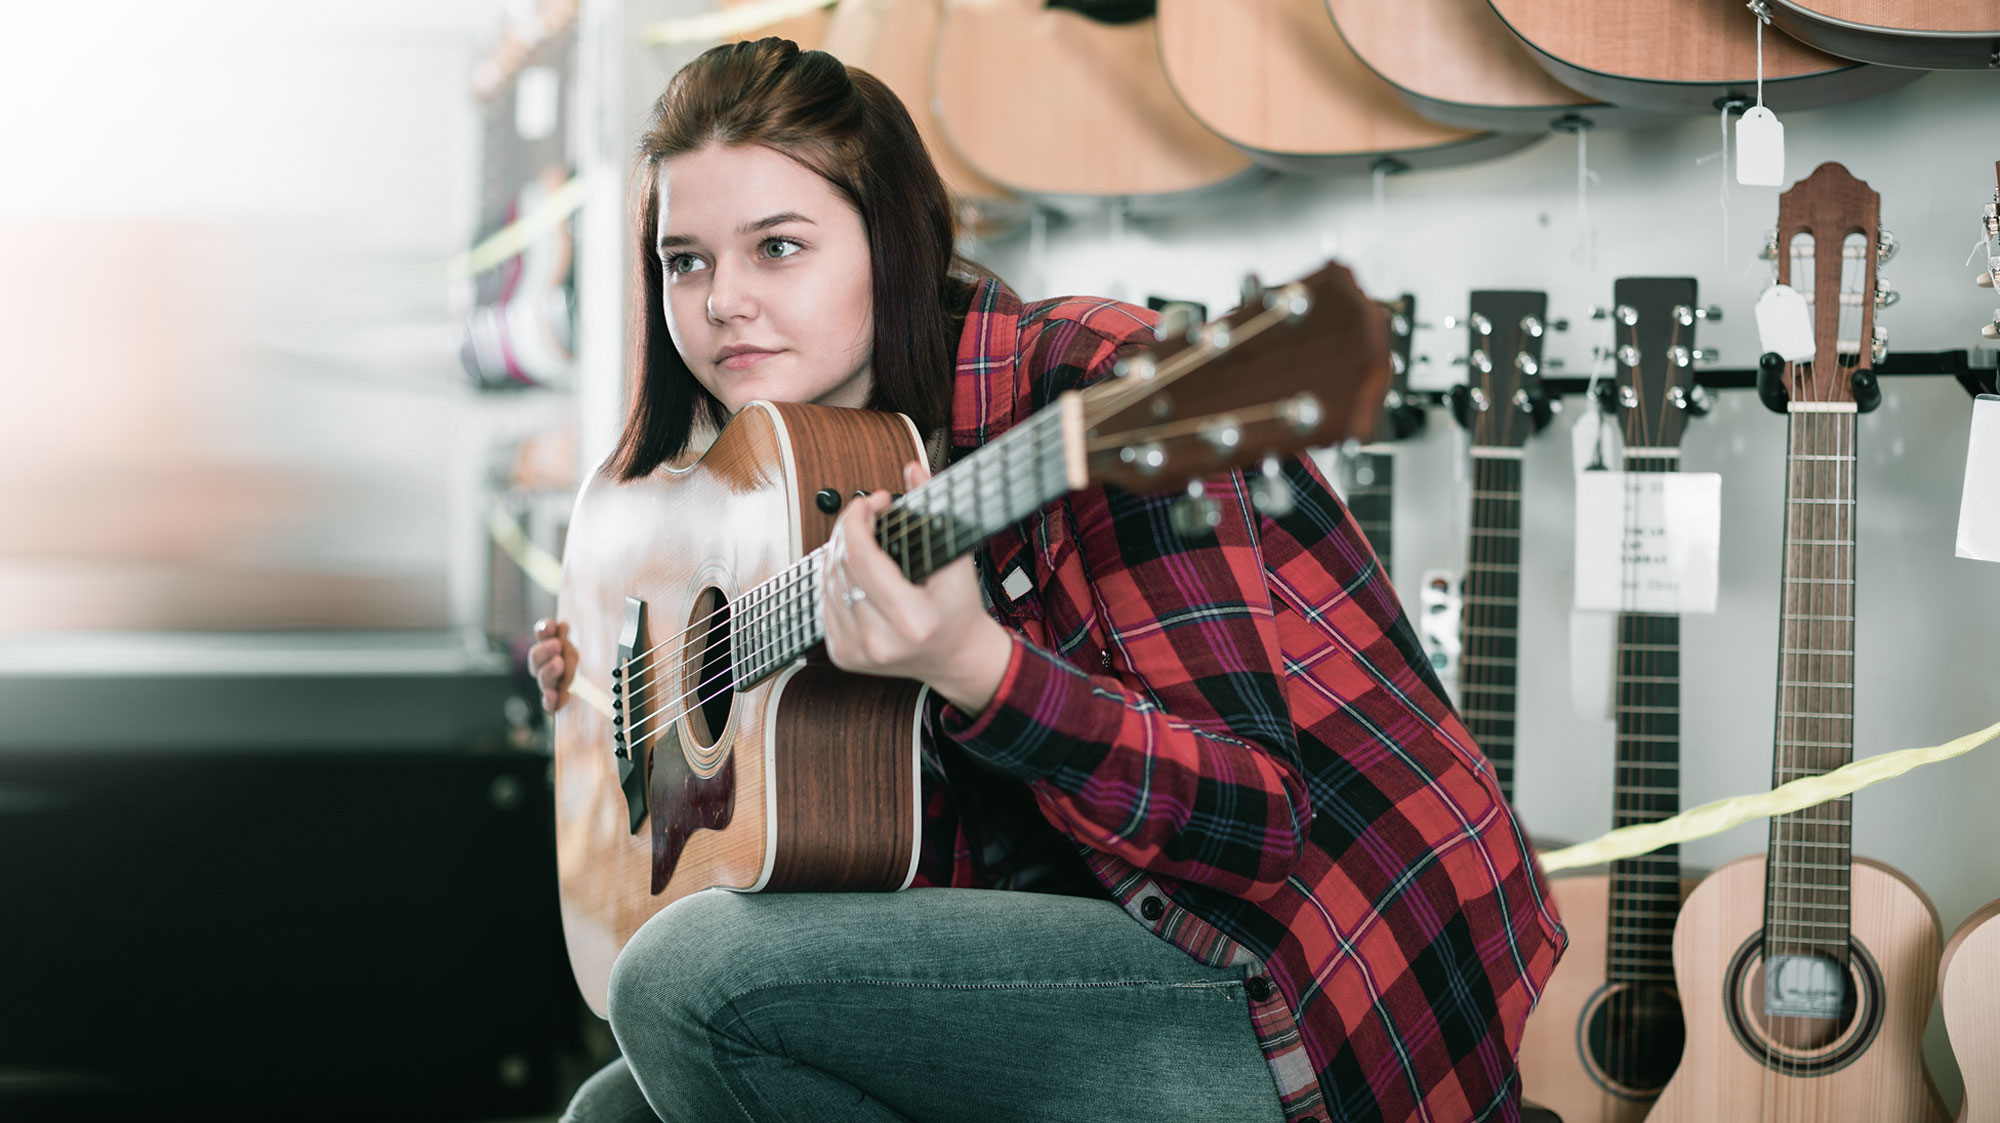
(1785, 324)
(1647, 541)
(1979, 510)
(1760, 148)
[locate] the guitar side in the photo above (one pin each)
(1969, 985)
(1872, 1071)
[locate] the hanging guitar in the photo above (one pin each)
(1501, 403)
(735, 756)
(1924, 34)
(1607, 1032)
(1806, 975)
(1969, 988)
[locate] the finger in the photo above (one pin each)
(914, 473)
(545, 628)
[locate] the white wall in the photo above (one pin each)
(1928, 635)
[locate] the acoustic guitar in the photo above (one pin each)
(1969, 986)
(1684, 56)
(734, 755)
(1501, 403)
(1275, 77)
(1454, 62)
(1926, 34)
(1054, 104)
(1370, 470)
(1607, 1032)
(1806, 975)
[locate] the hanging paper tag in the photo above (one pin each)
(1979, 511)
(1785, 324)
(1647, 541)
(1760, 148)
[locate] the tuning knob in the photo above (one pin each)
(1879, 346)
(1711, 313)
(1885, 246)
(1695, 402)
(1197, 515)
(1884, 295)
(1984, 280)
(1270, 492)
(1990, 331)
(1707, 355)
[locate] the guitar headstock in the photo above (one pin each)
(1502, 401)
(1828, 244)
(1653, 322)
(1400, 416)
(1991, 278)
(1295, 366)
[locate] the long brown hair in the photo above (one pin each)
(846, 126)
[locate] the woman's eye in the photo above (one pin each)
(780, 247)
(681, 263)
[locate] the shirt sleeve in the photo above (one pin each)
(1177, 753)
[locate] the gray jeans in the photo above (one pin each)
(931, 1004)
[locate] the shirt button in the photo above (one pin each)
(1258, 988)
(1151, 908)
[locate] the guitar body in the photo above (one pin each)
(1871, 1070)
(1969, 984)
(1275, 77)
(1926, 34)
(808, 778)
(1454, 62)
(1567, 1065)
(1055, 105)
(1684, 56)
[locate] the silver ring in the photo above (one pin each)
(853, 596)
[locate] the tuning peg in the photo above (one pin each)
(1197, 515)
(1628, 398)
(1990, 331)
(1399, 324)
(1879, 346)
(1628, 355)
(1552, 364)
(1599, 312)
(1884, 294)
(1696, 402)
(1531, 327)
(1253, 289)
(1984, 280)
(1679, 356)
(1481, 324)
(1885, 245)
(1223, 435)
(1712, 313)
(1149, 457)
(1526, 364)
(1707, 355)
(1560, 323)
(1480, 362)
(1270, 492)
(1625, 314)
(1302, 412)
(1397, 365)
(1176, 322)
(1449, 322)
(1770, 250)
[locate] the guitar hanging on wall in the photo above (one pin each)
(1924, 34)
(1806, 975)
(1501, 403)
(1969, 988)
(1607, 1032)
(1369, 472)
(735, 755)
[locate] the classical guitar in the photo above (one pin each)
(1502, 403)
(1969, 987)
(1275, 77)
(1053, 103)
(1607, 1032)
(1806, 975)
(1454, 62)
(1369, 472)
(1684, 56)
(734, 756)
(894, 40)
(1926, 34)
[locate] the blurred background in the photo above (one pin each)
(314, 317)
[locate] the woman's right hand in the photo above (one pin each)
(552, 660)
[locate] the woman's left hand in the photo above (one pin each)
(878, 623)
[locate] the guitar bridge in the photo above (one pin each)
(628, 712)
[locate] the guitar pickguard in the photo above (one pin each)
(683, 801)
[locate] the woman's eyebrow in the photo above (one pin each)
(675, 241)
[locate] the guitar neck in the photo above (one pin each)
(1645, 891)
(1806, 899)
(1491, 625)
(1372, 500)
(942, 520)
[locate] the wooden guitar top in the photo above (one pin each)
(1276, 78)
(1969, 984)
(1048, 102)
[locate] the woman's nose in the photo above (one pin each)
(730, 295)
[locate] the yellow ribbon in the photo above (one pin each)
(544, 570)
(514, 237)
(1722, 814)
(727, 23)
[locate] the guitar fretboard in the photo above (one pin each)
(1645, 891)
(942, 520)
(1371, 500)
(1491, 623)
(1806, 897)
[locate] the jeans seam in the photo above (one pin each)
(1220, 984)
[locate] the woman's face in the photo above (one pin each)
(767, 280)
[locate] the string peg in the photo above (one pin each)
(1984, 280)
(1270, 492)
(1707, 355)
(1712, 313)
(1885, 245)
(1197, 515)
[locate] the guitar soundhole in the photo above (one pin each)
(1635, 1036)
(708, 675)
(1804, 1034)
(1804, 1046)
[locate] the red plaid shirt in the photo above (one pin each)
(1241, 738)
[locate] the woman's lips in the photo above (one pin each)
(743, 359)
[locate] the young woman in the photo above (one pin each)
(1202, 839)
